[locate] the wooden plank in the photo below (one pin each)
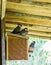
(41, 37)
(30, 28)
(8, 30)
(37, 36)
(3, 9)
(29, 9)
(0, 3)
(40, 34)
(28, 20)
(46, 1)
(32, 35)
(37, 33)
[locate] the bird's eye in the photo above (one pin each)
(29, 55)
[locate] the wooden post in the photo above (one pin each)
(3, 30)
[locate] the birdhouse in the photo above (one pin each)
(16, 47)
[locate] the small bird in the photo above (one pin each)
(24, 31)
(17, 29)
(32, 44)
(31, 47)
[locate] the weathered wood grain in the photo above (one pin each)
(29, 9)
(30, 28)
(37, 33)
(15, 49)
(48, 1)
(36, 18)
(29, 20)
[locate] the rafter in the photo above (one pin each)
(28, 20)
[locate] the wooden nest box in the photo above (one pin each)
(16, 47)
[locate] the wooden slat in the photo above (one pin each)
(35, 36)
(29, 9)
(32, 28)
(40, 34)
(32, 35)
(37, 33)
(8, 30)
(29, 20)
(3, 8)
(48, 1)
(0, 2)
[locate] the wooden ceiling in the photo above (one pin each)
(35, 17)
(47, 1)
(29, 9)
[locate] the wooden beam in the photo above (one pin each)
(30, 28)
(46, 1)
(40, 37)
(40, 34)
(0, 3)
(29, 9)
(28, 20)
(37, 33)
(8, 30)
(33, 35)
(3, 8)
